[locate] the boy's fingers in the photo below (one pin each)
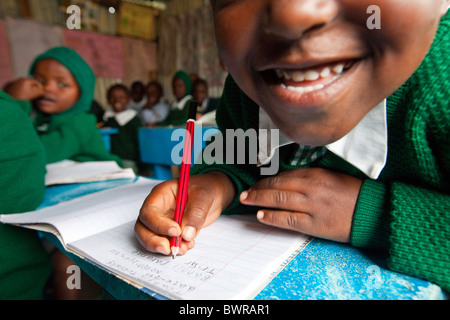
(300, 222)
(151, 241)
(196, 213)
(275, 198)
(157, 211)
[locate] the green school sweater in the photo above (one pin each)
(125, 143)
(72, 134)
(406, 211)
(24, 265)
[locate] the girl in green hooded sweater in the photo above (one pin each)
(64, 125)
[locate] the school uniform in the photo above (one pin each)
(24, 264)
(125, 142)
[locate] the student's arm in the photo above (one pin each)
(412, 222)
(61, 142)
(22, 160)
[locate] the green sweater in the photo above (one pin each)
(125, 143)
(75, 137)
(24, 265)
(406, 211)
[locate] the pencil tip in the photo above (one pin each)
(174, 251)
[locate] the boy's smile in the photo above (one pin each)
(314, 66)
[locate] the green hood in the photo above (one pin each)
(80, 70)
(186, 79)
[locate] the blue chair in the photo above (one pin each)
(106, 136)
(162, 148)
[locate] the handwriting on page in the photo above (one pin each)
(229, 256)
(144, 267)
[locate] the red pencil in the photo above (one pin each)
(183, 180)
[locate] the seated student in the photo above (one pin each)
(366, 123)
(179, 109)
(24, 265)
(64, 124)
(138, 97)
(125, 143)
(155, 110)
(65, 127)
(201, 95)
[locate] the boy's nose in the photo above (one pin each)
(290, 19)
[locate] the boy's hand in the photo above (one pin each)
(313, 201)
(25, 89)
(208, 195)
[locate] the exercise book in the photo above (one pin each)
(233, 258)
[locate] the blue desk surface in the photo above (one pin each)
(324, 270)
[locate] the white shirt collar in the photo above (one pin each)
(180, 104)
(122, 118)
(365, 147)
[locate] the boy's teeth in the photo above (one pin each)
(325, 72)
(312, 74)
(338, 68)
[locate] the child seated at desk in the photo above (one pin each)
(125, 143)
(365, 121)
(24, 265)
(155, 110)
(64, 124)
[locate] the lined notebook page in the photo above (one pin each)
(234, 258)
(81, 217)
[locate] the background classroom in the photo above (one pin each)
(140, 40)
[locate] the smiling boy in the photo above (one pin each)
(364, 118)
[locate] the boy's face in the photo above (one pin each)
(119, 99)
(179, 88)
(314, 65)
(153, 94)
(60, 86)
(200, 93)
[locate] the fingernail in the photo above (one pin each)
(243, 195)
(260, 215)
(160, 250)
(189, 233)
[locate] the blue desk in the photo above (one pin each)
(162, 147)
(106, 136)
(323, 270)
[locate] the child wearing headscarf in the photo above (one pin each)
(179, 109)
(62, 120)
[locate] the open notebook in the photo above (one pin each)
(68, 171)
(234, 258)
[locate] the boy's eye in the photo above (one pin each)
(40, 80)
(62, 85)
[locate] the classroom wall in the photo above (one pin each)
(121, 47)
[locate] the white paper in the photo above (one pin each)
(234, 258)
(67, 171)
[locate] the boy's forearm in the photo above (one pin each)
(411, 223)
